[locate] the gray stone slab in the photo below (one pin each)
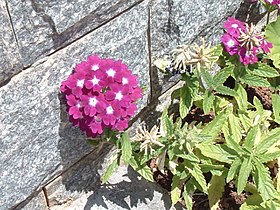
(37, 142)
(10, 60)
(37, 202)
(181, 21)
(125, 190)
(44, 26)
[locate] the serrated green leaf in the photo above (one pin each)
(272, 33)
(258, 104)
(263, 180)
(266, 157)
(110, 169)
(222, 75)
(234, 169)
(252, 136)
(266, 143)
(189, 189)
(241, 97)
(208, 101)
(126, 147)
(146, 173)
(276, 107)
(216, 188)
(245, 121)
(186, 101)
(225, 91)
(166, 123)
(198, 176)
(262, 70)
(218, 152)
(245, 170)
(207, 77)
(234, 128)
(213, 129)
(175, 190)
(254, 80)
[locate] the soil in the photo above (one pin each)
(230, 199)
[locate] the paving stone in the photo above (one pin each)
(177, 22)
(10, 60)
(124, 190)
(37, 142)
(38, 202)
(43, 26)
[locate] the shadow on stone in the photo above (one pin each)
(130, 193)
(249, 12)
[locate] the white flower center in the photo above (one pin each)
(109, 110)
(95, 81)
(111, 72)
(94, 67)
(93, 101)
(124, 81)
(80, 83)
(234, 25)
(119, 96)
(230, 43)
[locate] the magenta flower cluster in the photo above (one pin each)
(101, 93)
(244, 40)
(274, 2)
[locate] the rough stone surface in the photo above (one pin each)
(43, 26)
(125, 190)
(38, 202)
(37, 142)
(10, 61)
(177, 22)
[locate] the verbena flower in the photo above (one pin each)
(244, 40)
(101, 93)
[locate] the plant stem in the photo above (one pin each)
(267, 17)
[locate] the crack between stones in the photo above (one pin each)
(46, 196)
(150, 54)
(12, 25)
(101, 25)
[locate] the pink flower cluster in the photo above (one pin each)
(274, 2)
(101, 93)
(241, 39)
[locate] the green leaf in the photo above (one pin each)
(189, 189)
(216, 188)
(234, 128)
(126, 147)
(266, 143)
(198, 176)
(222, 75)
(213, 129)
(272, 34)
(276, 107)
(146, 173)
(186, 101)
(175, 190)
(258, 105)
(253, 136)
(262, 70)
(234, 169)
(245, 170)
(208, 101)
(245, 121)
(110, 169)
(225, 91)
(167, 124)
(266, 157)
(254, 80)
(241, 97)
(217, 152)
(263, 181)
(207, 77)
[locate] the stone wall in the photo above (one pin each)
(45, 162)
